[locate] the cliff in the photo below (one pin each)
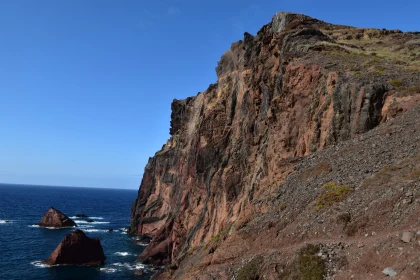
(283, 151)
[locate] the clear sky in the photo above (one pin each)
(86, 85)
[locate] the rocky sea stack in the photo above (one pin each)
(77, 249)
(54, 218)
(300, 162)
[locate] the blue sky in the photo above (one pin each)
(86, 85)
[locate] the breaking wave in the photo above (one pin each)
(122, 254)
(94, 223)
(40, 264)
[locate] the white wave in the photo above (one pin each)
(85, 226)
(93, 218)
(108, 270)
(124, 229)
(122, 254)
(141, 266)
(123, 232)
(121, 264)
(6, 221)
(142, 244)
(95, 230)
(132, 266)
(94, 223)
(40, 264)
(38, 226)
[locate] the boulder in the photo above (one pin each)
(144, 239)
(54, 218)
(90, 221)
(407, 236)
(389, 271)
(77, 249)
(157, 253)
(82, 216)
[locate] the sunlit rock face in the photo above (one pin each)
(298, 86)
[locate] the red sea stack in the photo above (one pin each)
(77, 249)
(54, 218)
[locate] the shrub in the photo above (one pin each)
(396, 83)
(307, 266)
(251, 270)
(333, 193)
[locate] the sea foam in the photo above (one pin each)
(122, 254)
(108, 270)
(94, 223)
(95, 230)
(40, 264)
(38, 226)
(93, 218)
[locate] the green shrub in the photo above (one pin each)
(251, 270)
(307, 265)
(396, 83)
(333, 193)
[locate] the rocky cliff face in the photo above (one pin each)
(298, 87)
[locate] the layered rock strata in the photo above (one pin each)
(298, 87)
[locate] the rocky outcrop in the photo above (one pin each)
(158, 253)
(54, 218)
(77, 249)
(297, 88)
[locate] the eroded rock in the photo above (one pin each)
(77, 249)
(54, 218)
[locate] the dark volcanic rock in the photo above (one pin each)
(82, 216)
(157, 253)
(54, 218)
(77, 249)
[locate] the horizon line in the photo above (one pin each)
(62, 186)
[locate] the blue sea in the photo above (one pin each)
(23, 244)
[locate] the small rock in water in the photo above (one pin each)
(406, 237)
(54, 218)
(110, 230)
(90, 221)
(389, 271)
(82, 216)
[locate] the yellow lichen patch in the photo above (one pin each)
(332, 193)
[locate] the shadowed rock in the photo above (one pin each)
(54, 218)
(82, 216)
(157, 253)
(77, 249)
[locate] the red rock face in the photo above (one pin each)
(157, 253)
(77, 249)
(288, 92)
(54, 218)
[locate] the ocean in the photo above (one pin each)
(23, 244)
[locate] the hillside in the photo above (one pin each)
(301, 162)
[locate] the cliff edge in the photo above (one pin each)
(304, 149)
